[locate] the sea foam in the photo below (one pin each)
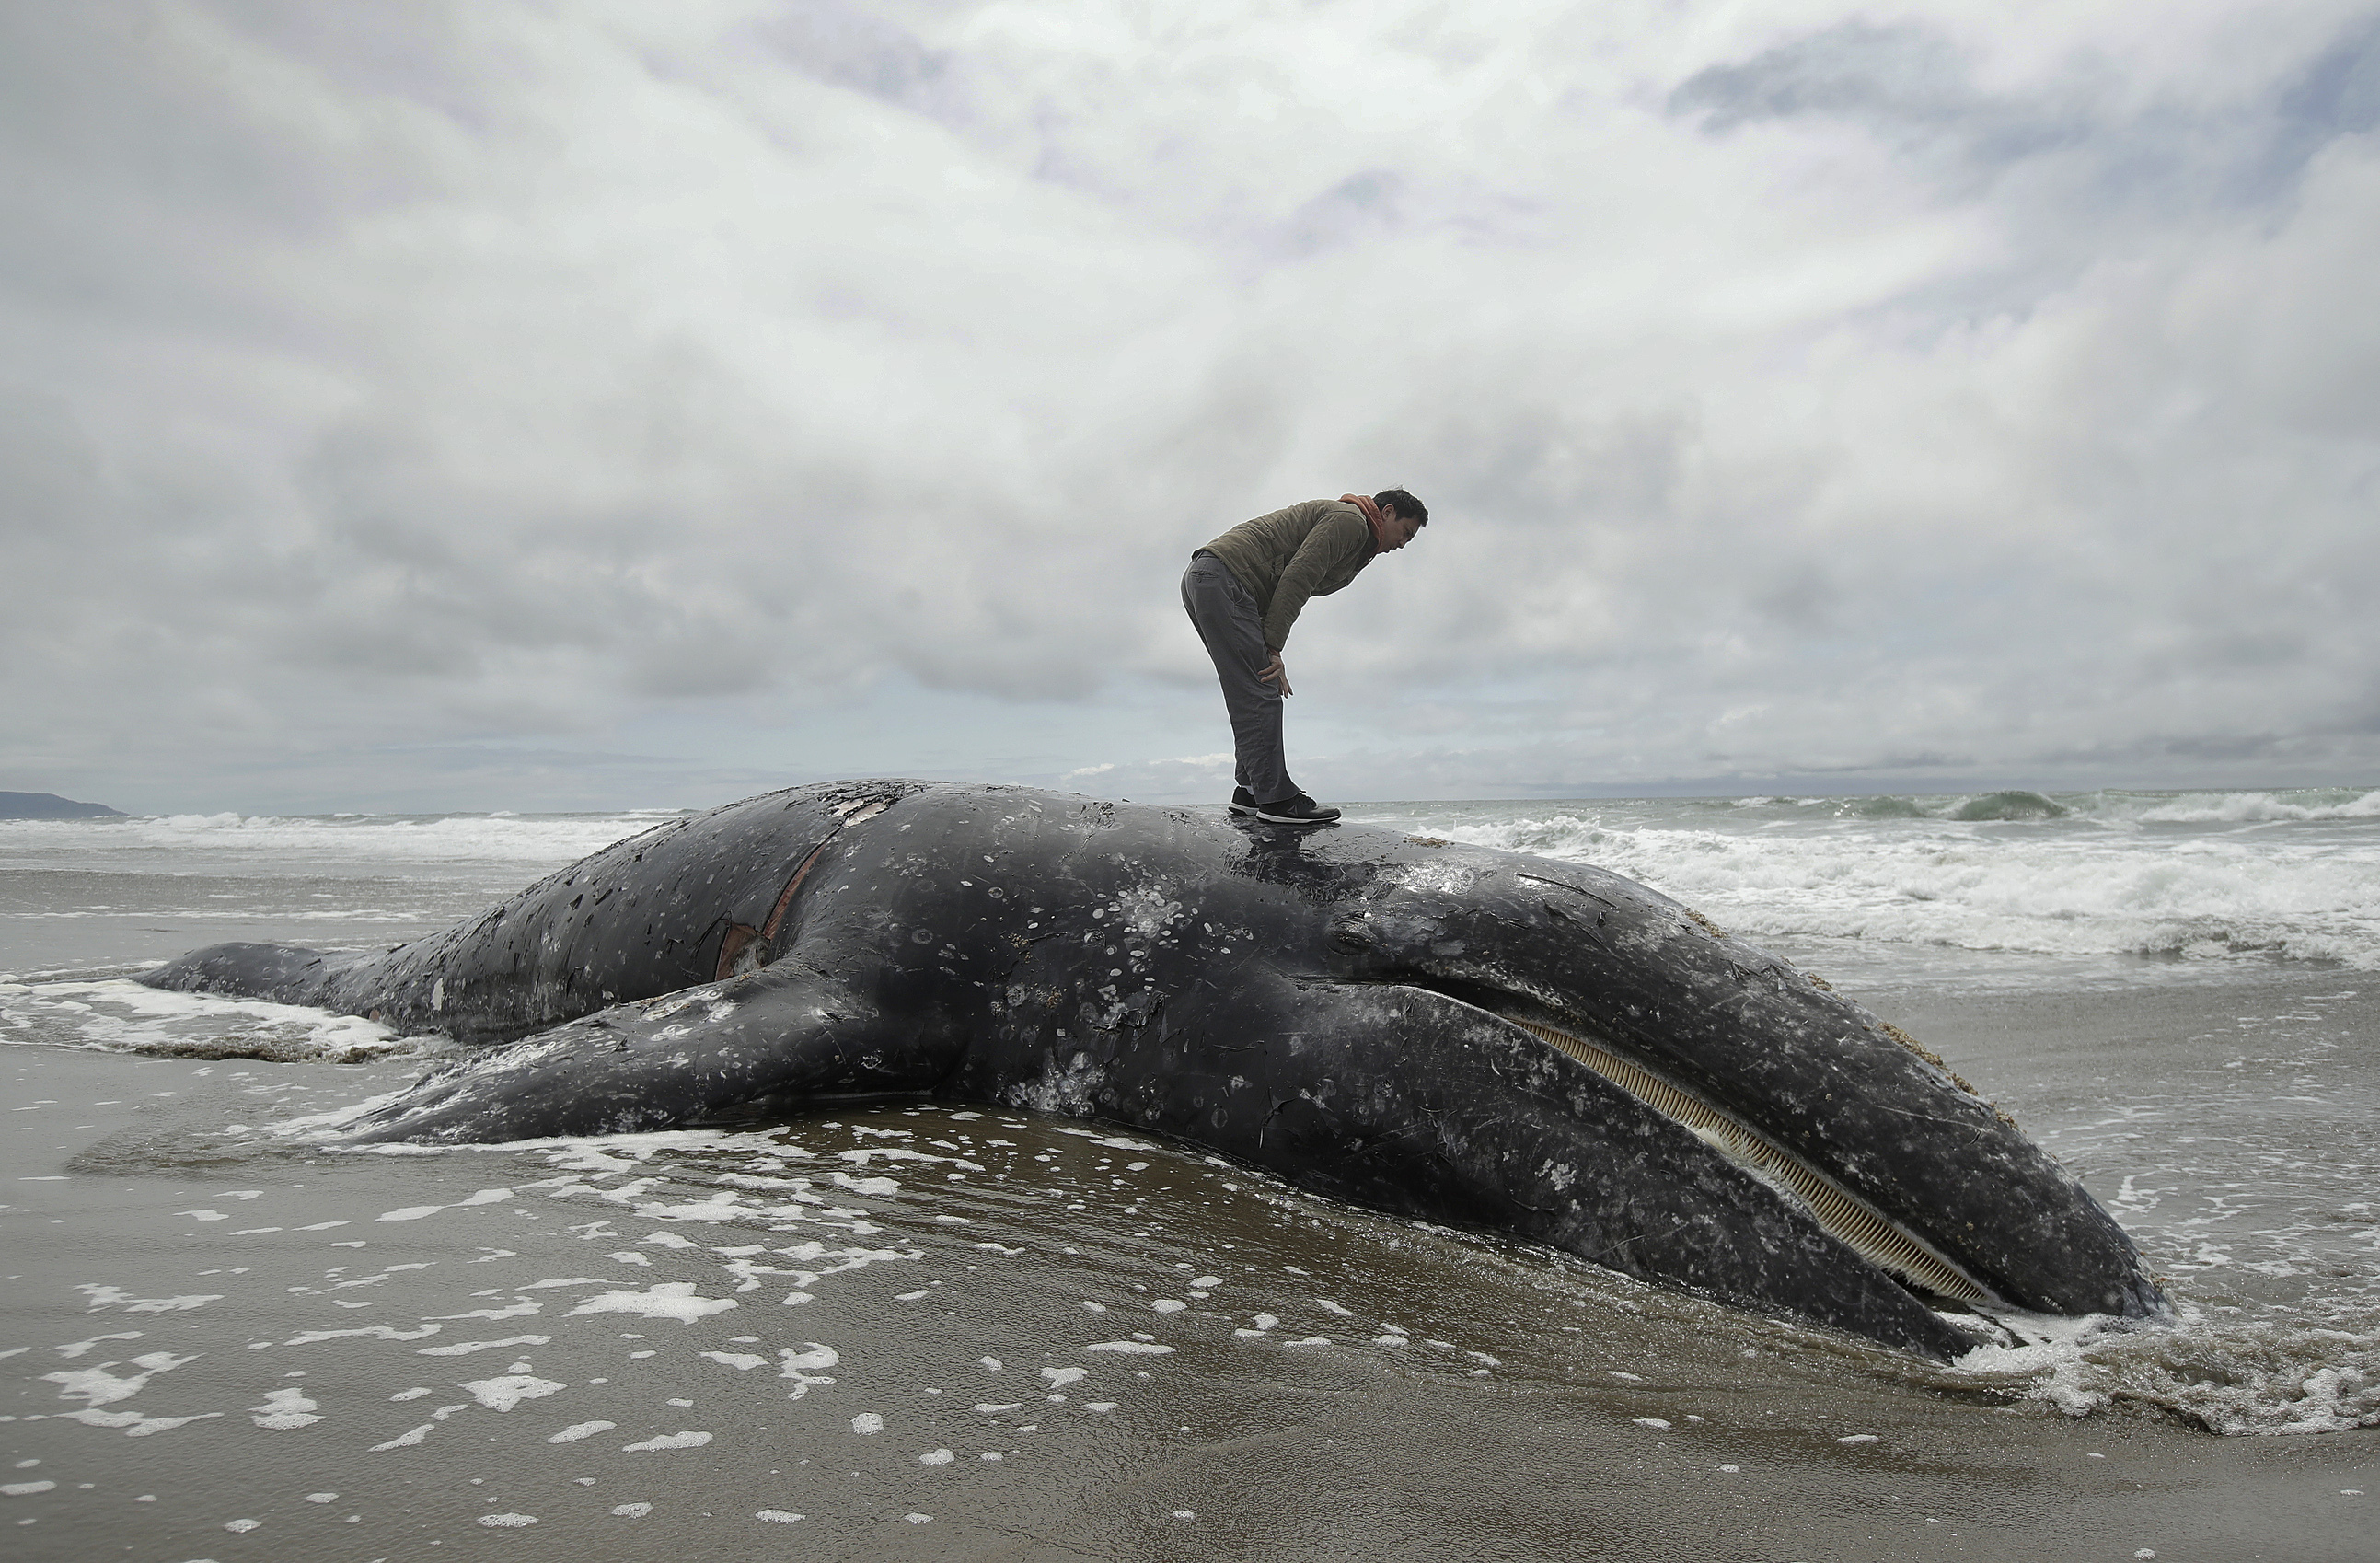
(123, 1016)
(2195, 877)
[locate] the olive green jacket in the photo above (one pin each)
(1308, 550)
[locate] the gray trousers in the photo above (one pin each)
(1228, 622)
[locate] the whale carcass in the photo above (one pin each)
(1475, 1037)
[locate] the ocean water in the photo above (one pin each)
(2098, 883)
(957, 1331)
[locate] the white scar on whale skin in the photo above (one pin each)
(1067, 1090)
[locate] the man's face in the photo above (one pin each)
(1400, 530)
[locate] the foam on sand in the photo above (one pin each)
(121, 1015)
(666, 1300)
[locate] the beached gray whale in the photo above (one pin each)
(1475, 1037)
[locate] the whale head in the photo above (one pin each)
(1837, 1113)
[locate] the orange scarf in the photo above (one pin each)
(1371, 509)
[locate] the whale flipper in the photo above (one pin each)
(666, 1060)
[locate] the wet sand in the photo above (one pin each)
(408, 1355)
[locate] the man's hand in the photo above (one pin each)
(1274, 673)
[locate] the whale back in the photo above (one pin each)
(695, 900)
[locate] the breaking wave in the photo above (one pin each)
(2196, 877)
(351, 840)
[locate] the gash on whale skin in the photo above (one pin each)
(1480, 1038)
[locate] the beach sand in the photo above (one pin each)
(618, 1350)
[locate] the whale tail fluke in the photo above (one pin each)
(664, 1061)
(284, 973)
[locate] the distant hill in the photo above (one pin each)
(50, 806)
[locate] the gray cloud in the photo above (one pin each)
(2080, 131)
(1905, 75)
(487, 406)
(850, 46)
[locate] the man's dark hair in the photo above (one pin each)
(1406, 505)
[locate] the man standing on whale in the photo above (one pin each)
(1246, 588)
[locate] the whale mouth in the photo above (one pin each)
(1920, 1267)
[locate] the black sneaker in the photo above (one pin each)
(1241, 802)
(1296, 809)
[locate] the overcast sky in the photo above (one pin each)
(556, 405)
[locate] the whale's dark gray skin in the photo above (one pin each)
(1369, 1016)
